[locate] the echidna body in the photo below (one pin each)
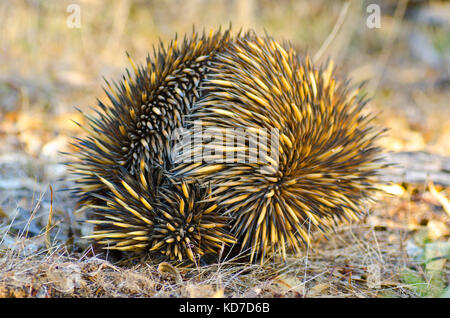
(325, 156)
(317, 171)
(153, 213)
(144, 110)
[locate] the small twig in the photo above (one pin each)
(334, 32)
(389, 45)
(380, 255)
(49, 222)
(440, 197)
(307, 252)
(24, 232)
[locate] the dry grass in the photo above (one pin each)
(339, 266)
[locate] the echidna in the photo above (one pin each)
(152, 212)
(325, 158)
(315, 167)
(145, 109)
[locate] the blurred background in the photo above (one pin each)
(54, 55)
(51, 62)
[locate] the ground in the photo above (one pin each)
(49, 66)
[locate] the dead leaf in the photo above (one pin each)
(318, 289)
(393, 189)
(165, 268)
(437, 229)
(440, 197)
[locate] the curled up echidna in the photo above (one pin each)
(301, 155)
(152, 212)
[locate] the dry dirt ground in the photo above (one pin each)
(400, 249)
